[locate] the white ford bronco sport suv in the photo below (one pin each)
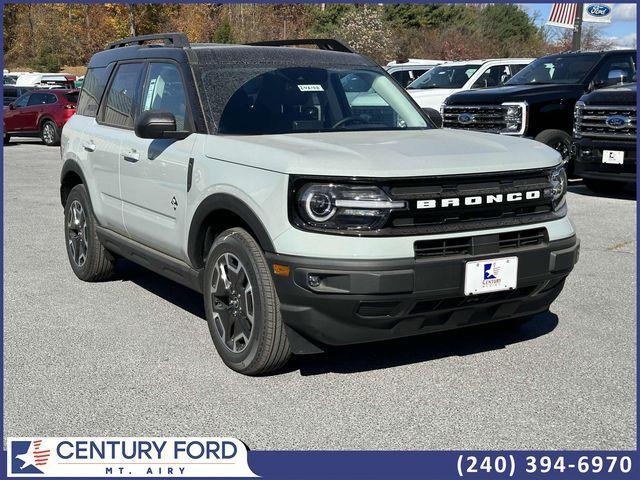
(249, 173)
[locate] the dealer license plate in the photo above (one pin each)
(491, 275)
(613, 156)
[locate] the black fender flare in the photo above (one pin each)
(71, 166)
(224, 201)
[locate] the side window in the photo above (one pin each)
(22, 101)
(492, 77)
(118, 109)
(92, 89)
(615, 69)
(516, 68)
(42, 99)
(164, 90)
(402, 77)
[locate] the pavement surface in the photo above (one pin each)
(133, 356)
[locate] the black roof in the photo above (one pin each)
(601, 53)
(175, 46)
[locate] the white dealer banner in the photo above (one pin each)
(597, 12)
(127, 457)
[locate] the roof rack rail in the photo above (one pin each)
(169, 39)
(322, 43)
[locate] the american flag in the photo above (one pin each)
(563, 15)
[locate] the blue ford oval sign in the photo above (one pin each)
(466, 118)
(617, 121)
(598, 10)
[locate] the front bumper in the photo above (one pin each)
(588, 161)
(369, 300)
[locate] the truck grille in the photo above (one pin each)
(606, 121)
(482, 118)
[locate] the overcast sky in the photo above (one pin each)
(622, 29)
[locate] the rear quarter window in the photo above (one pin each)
(92, 89)
(71, 97)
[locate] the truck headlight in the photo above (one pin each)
(577, 119)
(345, 207)
(515, 117)
(559, 183)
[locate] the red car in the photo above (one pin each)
(40, 113)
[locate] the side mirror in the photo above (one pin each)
(433, 115)
(158, 124)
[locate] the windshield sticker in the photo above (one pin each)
(311, 88)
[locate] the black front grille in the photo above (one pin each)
(594, 121)
(481, 244)
(482, 118)
(485, 188)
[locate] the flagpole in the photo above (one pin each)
(577, 28)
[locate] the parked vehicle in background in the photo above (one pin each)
(432, 88)
(405, 72)
(538, 101)
(9, 80)
(304, 221)
(40, 113)
(46, 80)
(604, 134)
(10, 93)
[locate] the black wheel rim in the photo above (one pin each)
(562, 147)
(232, 302)
(77, 234)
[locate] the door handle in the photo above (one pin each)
(89, 147)
(131, 156)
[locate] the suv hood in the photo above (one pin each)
(515, 93)
(382, 154)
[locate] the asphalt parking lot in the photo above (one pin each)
(133, 356)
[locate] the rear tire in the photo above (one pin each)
(49, 134)
(560, 141)
(89, 260)
(242, 306)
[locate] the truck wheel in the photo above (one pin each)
(89, 260)
(242, 307)
(603, 186)
(561, 142)
(49, 134)
(7, 138)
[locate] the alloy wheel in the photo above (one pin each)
(48, 133)
(232, 300)
(77, 233)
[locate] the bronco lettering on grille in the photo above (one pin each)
(479, 199)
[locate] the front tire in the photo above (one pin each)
(242, 307)
(49, 134)
(89, 260)
(560, 141)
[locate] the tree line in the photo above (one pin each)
(47, 37)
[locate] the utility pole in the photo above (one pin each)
(577, 28)
(132, 19)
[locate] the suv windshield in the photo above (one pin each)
(295, 100)
(556, 69)
(453, 76)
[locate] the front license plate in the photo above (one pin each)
(613, 156)
(490, 275)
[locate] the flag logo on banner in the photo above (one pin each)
(563, 15)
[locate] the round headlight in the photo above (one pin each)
(318, 204)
